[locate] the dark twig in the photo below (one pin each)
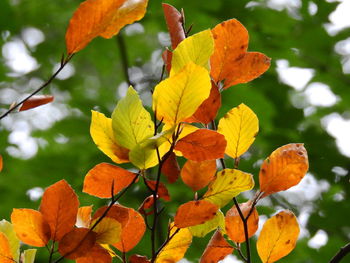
(341, 253)
(124, 58)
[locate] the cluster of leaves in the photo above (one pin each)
(185, 105)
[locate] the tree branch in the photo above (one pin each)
(341, 253)
(124, 57)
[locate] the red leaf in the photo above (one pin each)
(138, 259)
(36, 101)
(171, 168)
(162, 190)
(218, 248)
(147, 204)
(174, 21)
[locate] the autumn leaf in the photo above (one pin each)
(234, 224)
(96, 254)
(59, 206)
(31, 227)
(8, 230)
(77, 243)
(102, 18)
(84, 216)
(227, 184)
(167, 56)
(278, 237)
(178, 97)
(162, 189)
(103, 136)
(99, 180)
(138, 259)
(147, 204)
(177, 246)
(284, 168)
(218, 221)
(170, 168)
(230, 61)
(29, 255)
(1, 163)
(5, 250)
(108, 230)
(194, 213)
(217, 249)
(202, 145)
(239, 126)
(174, 23)
(197, 175)
(36, 101)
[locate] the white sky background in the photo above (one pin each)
(16, 53)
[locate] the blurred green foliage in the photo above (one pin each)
(299, 38)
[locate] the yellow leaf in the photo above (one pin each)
(197, 49)
(203, 229)
(227, 184)
(131, 122)
(108, 231)
(239, 126)
(178, 97)
(176, 248)
(102, 134)
(278, 237)
(7, 228)
(29, 255)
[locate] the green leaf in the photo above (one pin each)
(29, 255)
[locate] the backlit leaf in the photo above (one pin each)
(218, 248)
(59, 206)
(30, 227)
(227, 184)
(99, 180)
(96, 254)
(178, 97)
(278, 237)
(108, 230)
(202, 145)
(36, 101)
(84, 216)
(29, 255)
(234, 224)
(198, 174)
(146, 205)
(5, 250)
(101, 18)
(284, 168)
(218, 221)
(131, 122)
(162, 189)
(239, 126)
(102, 134)
(176, 248)
(230, 61)
(171, 168)
(1, 163)
(138, 259)
(174, 23)
(77, 243)
(7, 228)
(194, 213)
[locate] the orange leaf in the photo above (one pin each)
(230, 61)
(31, 227)
(77, 243)
(1, 163)
(198, 174)
(234, 224)
(162, 190)
(174, 21)
(171, 168)
(102, 18)
(147, 204)
(5, 250)
(218, 248)
(84, 216)
(138, 259)
(194, 213)
(208, 110)
(36, 101)
(284, 168)
(99, 180)
(96, 254)
(202, 145)
(59, 207)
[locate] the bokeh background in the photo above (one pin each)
(304, 97)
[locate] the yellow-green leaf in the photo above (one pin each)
(227, 184)
(131, 122)
(7, 228)
(239, 126)
(178, 97)
(196, 48)
(203, 229)
(102, 134)
(278, 237)
(108, 231)
(29, 255)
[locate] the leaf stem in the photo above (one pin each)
(124, 57)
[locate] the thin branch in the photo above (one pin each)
(341, 253)
(124, 58)
(52, 250)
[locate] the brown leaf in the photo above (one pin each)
(5, 250)
(218, 248)
(59, 206)
(138, 259)
(96, 254)
(230, 61)
(99, 180)
(36, 101)
(198, 174)
(284, 168)
(102, 18)
(167, 56)
(162, 190)
(202, 145)
(77, 243)
(194, 213)
(171, 168)
(234, 224)
(174, 21)
(147, 204)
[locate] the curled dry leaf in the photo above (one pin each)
(284, 168)
(202, 145)
(194, 213)
(36, 101)
(278, 237)
(174, 21)
(171, 168)
(96, 254)
(234, 225)
(218, 248)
